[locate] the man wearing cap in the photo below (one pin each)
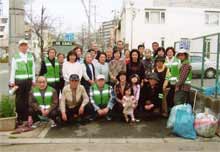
(183, 84)
(23, 76)
(102, 97)
(43, 101)
(74, 100)
(50, 68)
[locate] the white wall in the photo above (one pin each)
(179, 23)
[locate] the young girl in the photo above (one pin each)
(129, 104)
(135, 84)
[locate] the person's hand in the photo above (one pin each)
(91, 82)
(30, 120)
(11, 85)
(46, 112)
(100, 112)
(105, 111)
(33, 84)
(64, 117)
(81, 110)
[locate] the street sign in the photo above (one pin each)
(69, 36)
(184, 43)
(62, 43)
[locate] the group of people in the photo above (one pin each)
(116, 83)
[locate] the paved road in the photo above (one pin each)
(125, 147)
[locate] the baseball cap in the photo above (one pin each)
(74, 77)
(101, 76)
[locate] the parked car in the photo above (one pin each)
(209, 66)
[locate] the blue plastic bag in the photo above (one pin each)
(172, 117)
(184, 124)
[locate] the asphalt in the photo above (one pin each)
(150, 128)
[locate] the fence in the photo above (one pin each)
(208, 47)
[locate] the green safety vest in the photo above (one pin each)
(101, 97)
(53, 73)
(23, 70)
(189, 77)
(47, 100)
(174, 70)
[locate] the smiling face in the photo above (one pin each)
(134, 56)
(23, 47)
(134, 80)
(170, 53)
(74, 84)
(117, 55)
(88, 58)
(42, 83)
(72, 58)
(122, 78)
(182, 56)
(52, 54)
(102, 58)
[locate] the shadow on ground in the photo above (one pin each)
(149, 128)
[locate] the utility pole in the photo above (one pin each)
(95, 23)
(89, 24)
(16, 25)
(41, 30)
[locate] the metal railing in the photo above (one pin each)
(204, 39)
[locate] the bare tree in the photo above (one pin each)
(41, 23)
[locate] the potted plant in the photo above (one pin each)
(8, 115)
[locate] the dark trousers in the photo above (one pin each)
(55, 85)
(181, 97)
(61, 85)
(70, 112)
(53, 114)
(170, 96)
(21, 100)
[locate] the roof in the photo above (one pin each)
(188, 3)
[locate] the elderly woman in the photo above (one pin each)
(88, 72)
(101, 68)
(115, 66)
(72, 66)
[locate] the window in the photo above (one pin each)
(2, 28)
(196, 59)
(4, 20)
(155, 16)
(212, 18)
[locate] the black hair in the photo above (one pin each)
(61, 54)
(91, 50)
(121, 73)
(141, 45)
(50, 50)
(72, 52)
(101, 53)
(135, 75)
(127, 87)
(170, 48)
(115, 51)
(132, 51)
(161, 49)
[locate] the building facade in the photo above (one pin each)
(167, 21)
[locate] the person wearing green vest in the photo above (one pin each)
(183, 84)
(50, 68)
(173, 64)
(22, 76)
(102, 97)
(43, 102)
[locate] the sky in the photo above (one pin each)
(70, 14)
